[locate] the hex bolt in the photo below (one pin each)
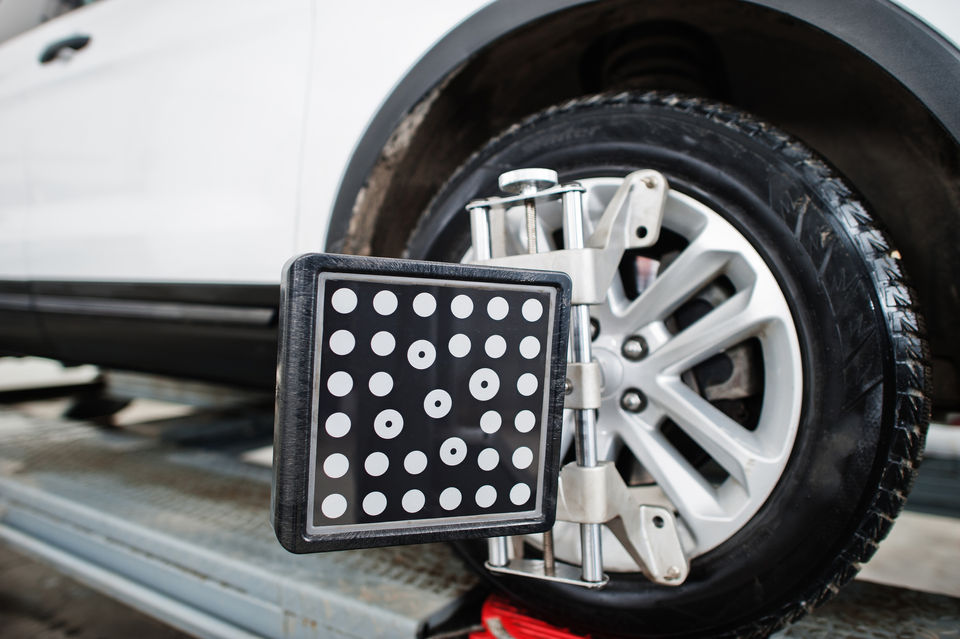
(528, 182)
(635, 348)
(633, 400)
(672, 574)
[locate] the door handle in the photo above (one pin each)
(52, 50)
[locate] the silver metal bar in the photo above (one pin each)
(549, 561)
(498, 551)
(480, 232)
(530, 208)
(585, 420)
(513, 199)
(497, 547)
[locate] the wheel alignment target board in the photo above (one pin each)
(416, 401)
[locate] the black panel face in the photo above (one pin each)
(427, 397)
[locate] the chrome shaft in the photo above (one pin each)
(585, 420)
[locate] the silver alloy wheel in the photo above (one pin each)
(751, 459)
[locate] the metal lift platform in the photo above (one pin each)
(182, 533)
(168, 518)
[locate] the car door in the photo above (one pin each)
(164, 149)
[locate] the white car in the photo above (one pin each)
(160, 161)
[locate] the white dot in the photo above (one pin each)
(519, 494)
(486, 495)
(377, 464)
(339, 384)
(524, 421)
(342, 342)
(461, 307)
(484, 384)
(421, 354)
(532, 310)
(424, 304)
(415, 462)
(437, 403)
(450, 498)
(490, 422)
(453, 450)
(459, 345)
(385, 302)
(529, 347)
(374, 503)
(382, 343)
(413, 501)
(488, 459)
(527, 384)
(497, 308)
(333, 506)
(336, 466)
(344, 300)
(338, 425)
(381, 384)
(495, 346)
(388, 423)
(522, 457)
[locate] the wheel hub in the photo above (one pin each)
(611, 371)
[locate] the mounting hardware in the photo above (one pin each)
(633, 400)
(586, 385)
(635, 348)
(598, 495)
(593, 264)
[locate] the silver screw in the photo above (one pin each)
(567, 386)
(649, 182)
(635, 348)
(672, 574)
(633, 400)
(528, 182)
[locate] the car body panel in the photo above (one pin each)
(166, 144)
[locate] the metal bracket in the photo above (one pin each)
(649, 534)
(536, 568)
(585, 384)
(631, 220)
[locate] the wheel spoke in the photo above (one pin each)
(699, 263)
(732, 446)
(740, 317)
(693, 497)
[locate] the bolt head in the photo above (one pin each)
(672, 574)
(567, 386)
(515, 182)
(635, 348)
(633, 400)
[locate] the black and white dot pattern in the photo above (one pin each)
(430, 400)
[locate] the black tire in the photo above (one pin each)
(865, 402)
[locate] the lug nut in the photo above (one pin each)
(633, 400)
(634, 348)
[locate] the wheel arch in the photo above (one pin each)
(884, 114)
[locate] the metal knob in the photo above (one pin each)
(522, 181)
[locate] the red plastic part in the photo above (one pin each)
(517, 622)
